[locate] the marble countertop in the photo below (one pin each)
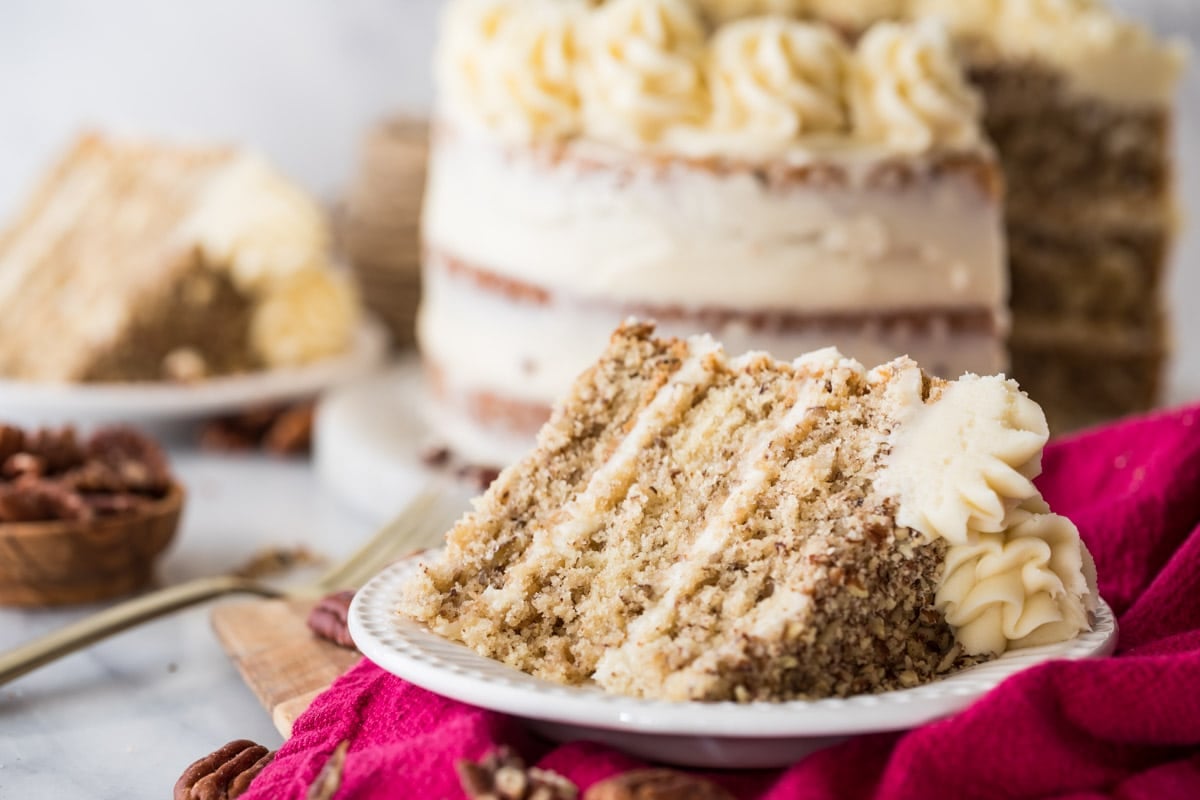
(125, 717)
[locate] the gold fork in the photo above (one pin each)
(418, 526)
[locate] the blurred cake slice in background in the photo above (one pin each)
(762, 180)
(138, 261)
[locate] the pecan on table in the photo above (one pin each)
(656, 784)
(502, 775)
(328, 619)
(227, 773)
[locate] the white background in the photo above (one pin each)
(301, 79)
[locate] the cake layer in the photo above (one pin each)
(1102, 279)
(527, 343)
(1086, 386)
(838, 233)
(698, 527)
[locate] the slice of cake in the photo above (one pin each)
(139, 261)
(763, 180)
(698, 527)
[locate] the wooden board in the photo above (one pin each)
(282, 662)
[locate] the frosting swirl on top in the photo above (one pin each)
(774, 80)
(644, 71)
(910, 91)
(961, 467)
(518, 68)
(721, 11)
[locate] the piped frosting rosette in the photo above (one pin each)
(961, 466)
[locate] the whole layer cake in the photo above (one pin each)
(692, 526)
(147, 261)
(763, 180)
(1080, 105)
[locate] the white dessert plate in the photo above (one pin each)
(29, 403)
(714, 735)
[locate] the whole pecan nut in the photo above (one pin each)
(227, 773)
(502, 775)
(328, 619)
(656, 784)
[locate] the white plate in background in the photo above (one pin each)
(714, 735)
(88, 404)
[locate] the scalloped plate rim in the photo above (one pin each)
(403, 647)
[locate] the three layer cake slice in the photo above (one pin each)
(693, 526)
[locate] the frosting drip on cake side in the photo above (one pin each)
(961, 467)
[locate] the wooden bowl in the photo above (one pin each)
(63, 563)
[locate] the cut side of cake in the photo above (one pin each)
(693, 526)
(1080, 102)
(765, 181)
(143, 261)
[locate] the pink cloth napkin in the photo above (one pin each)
(1127, 726)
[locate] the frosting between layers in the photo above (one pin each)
(961, 466)
(637, 232)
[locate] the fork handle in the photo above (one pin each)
(120, 617)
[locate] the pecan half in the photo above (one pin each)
(12, 441)
(656, 784)
(33, 500)
(227, 773)
(502, 775)
(138, 461)
(329, 780)
(60, 449)
(328, 619)
(291, 432)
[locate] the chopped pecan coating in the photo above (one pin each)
(226, 773)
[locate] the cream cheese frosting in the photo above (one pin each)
(652, 75)
(961, 466)
(259, 226)
(1099, 53)
(517, 69)
(274, 241)
(644, 72)
(310, 316)
(774, 80)
(909, 90)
